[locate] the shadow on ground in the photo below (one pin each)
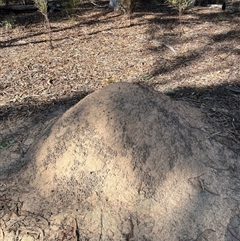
(28, 20)
(22, 124)
(221, 107)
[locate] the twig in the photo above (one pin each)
(233, 89)
(202, 233)
(170, 47)
(189, 179)
(75, 230)
(215, 134)
(231, 232)
(210, 191)
(158, 43)
(140, 188)
(202, 185)
(101, 223)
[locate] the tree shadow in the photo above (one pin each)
(89, 14)
(168, 32)
(89, 17)
(220, 102)
(232, 34)
(233, 227)
(221, 109)
(19, 120)
(215, 17)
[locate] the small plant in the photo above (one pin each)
(6, 144)
(109, 81)
(181, 5)
(42, 6)
(222, 17)
(9, 22)
(71, 5)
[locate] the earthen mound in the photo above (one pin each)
(129, 163)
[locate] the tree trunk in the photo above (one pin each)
(127, 5)
(49, 30)
(113, 4)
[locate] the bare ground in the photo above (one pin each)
(95, 47)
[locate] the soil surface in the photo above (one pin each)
(197, 62)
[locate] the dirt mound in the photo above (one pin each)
(129, 163)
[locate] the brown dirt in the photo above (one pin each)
(94, 48)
